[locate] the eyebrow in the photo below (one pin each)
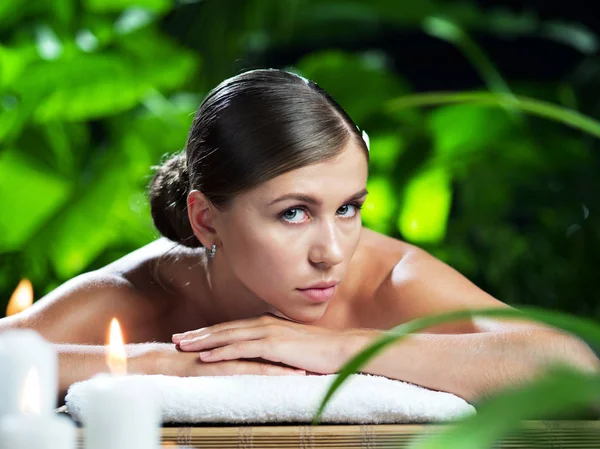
(312, 200)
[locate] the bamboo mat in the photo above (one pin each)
(534, 434)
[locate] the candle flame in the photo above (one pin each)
(21, 298)
(31, 395)
(116, 359)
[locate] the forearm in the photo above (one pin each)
(80, 362)
(474, 365)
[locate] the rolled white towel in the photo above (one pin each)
(362, 399)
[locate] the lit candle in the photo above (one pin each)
(31, 427)
(119, 413)
(20, 350)
(21, 299)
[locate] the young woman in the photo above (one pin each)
(265, 268)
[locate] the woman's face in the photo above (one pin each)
(276, 242)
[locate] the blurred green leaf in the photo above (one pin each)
(453, 145)
(12, 63)
(29, 195)
(96, 218)
(558, 390)
(380, 206)
(585, 329)
(385, 150)
(426, 206)
(104, 6)
(93, 85)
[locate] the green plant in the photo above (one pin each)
(560, 388)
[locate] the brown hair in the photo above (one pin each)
(250, 128)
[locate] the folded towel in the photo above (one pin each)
(362, 399)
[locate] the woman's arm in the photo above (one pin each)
(76, 317)
(470, 358)
(80, 362)
(473, 366)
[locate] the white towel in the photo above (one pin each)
(362, 399)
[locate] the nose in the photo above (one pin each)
(327, 249)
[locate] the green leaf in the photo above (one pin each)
(29, 195)
(93, 85)
(586, 329)
(104, 6)
(380, 206)
(558, 390)
(426, 206)
(532, 106)
(485, 126)
(385, 150)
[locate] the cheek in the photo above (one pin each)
(265, 257)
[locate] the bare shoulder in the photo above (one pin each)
(409, 283)
(377, 254)
(80, 310)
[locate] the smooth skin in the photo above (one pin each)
(173, 302)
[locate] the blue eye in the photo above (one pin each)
(357, 207)
(289, 217)
(291, 214)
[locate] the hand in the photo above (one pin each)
(166, 359)
(311, 348)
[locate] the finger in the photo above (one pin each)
(224, 337)
(249, 322)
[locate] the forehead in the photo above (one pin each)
(346, 173)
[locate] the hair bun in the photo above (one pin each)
(168, 192)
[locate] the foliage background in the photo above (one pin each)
(95, 92)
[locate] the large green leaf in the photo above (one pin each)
(380, 206)
(107, 210)
(558, 390)
(29, 195)
(425, 206)
(584, 328)
(485, 125)
(97, 85)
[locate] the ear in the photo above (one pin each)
(201, 215)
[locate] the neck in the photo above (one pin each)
(227, 297)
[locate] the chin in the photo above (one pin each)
(306, 318)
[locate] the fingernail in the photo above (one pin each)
(177, 335)
(204, 354)
(184, 342)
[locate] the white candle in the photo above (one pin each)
(33, 428)
(120, 413)
(20, 350)
(37, 432)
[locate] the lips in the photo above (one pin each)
(318, 295)
(321, 285)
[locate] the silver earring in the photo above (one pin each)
(213, 251)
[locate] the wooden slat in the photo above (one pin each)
(534, 434)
